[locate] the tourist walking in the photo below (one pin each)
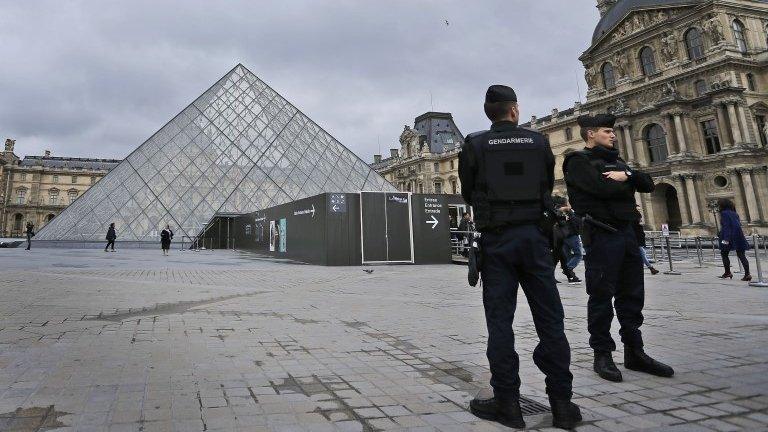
(165, 239)
(640, 233)
(111, 237)
(30, 233)
(732, 238)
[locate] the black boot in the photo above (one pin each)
(637, 360)
(605, 367)
(501, 410)
(565, 414)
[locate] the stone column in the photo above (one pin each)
(683, 147)
(737, 137)
(722, 126)
(671, 145)
(693, 201)
(750, 193)
(738, 195)
(684, 213)
(628, 143)
(743, 120)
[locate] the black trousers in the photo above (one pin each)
(739, 254)
(110, 243)
(29, 242)
(614, 274)
(520, 256)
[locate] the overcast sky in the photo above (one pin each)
(97, 78)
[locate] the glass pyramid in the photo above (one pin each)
(238, 148)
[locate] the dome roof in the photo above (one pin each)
(624, 7)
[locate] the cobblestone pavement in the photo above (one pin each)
(221, 341)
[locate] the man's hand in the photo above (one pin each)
(619, 176)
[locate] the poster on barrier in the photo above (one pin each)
(281, 232)
(272, 236)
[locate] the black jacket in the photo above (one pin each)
(606, 200)
(111, 234)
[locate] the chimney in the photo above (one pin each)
(376, 158)
(47, 153)
(393, 153)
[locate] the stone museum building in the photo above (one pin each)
(689, 83)
(428, 158)
(37, 188)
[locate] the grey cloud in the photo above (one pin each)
(88, 78)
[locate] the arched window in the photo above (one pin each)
(609, 80)
(751, 82)
(694, 44)
(568, 134)
(647, 61)
(738, 34)
(700, 86)
(49, 218)
(656, 141)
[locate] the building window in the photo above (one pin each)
(694, 44)
(436, 167)
(49, 218)
(419, 167)
(454, 187)
(656, 142)
(751, 82)
(53, 197)
(452, 165)
(74, 179)
(700, 87)
(609, 80)
(23, 176)
(647, 61)
(710, 136)
(438, 188)
(21, 196)
(17, 219)
(568, 134)
(761, 127)
(421, 187)
(55, 178)
(72, 196)
(93, 179)
(738, 34)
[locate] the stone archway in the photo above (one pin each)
(666, 207)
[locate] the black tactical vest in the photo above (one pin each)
(511, 178)
(614, 210)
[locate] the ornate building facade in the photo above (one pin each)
(38, 188)
(428, 158)
(689, 83)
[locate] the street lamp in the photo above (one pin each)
(714, 209)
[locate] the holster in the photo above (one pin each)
(586, 234)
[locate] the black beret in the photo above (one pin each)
(597, 121)
(500, 93)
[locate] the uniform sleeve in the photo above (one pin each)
(581, 175)
(467, 170)
(642, 182)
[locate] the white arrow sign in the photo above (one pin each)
(434, 222)
(335, 208)
(303, 212)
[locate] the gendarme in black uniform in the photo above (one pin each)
(614, 268)
(507, 175)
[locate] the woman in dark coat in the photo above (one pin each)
(732, 238)
(165, 239)
(30, 233)
(111, 237)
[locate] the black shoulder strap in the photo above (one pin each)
(473, 140)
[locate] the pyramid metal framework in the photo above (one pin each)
(238, 148)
